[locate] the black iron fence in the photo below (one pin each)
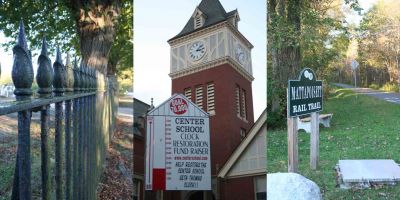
(84, 118)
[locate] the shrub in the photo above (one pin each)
(276, 94)
(374, 86)
(390, 87)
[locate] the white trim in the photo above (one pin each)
(197, 11)
(197, 14)
(257, 127)
(195, 34)
(151, 112)
(212, 64)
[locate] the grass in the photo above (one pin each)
(362, 128)
(8, 148)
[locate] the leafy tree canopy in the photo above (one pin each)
(97, 30)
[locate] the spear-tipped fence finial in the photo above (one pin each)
(83, 76)
(77, 80)
(96, 77)
(69, 75)
(44, 47)
(22, 36)
(44, 77)
(92, 79)
(59, 74)
(22, 72)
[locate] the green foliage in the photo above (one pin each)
(56, 20)
(276, 118)
(52, 19)
(323, 40)
(390, 87)
(374, 86)
(121, 53)
(355, 5)
(379, 49)
(362, 127)
(125, 80)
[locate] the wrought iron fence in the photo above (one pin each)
(84, 120)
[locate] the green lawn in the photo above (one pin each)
(8, 148)
(362, 128)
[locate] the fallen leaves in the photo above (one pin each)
(114, 184)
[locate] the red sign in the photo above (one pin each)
(179, 106)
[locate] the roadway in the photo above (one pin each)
(391, 97)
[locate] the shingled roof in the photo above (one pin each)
(214, 12)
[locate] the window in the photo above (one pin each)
(244, 115)
(242, 133)
(199, 96)
(136, 189)
(237, 95)
(188, 93)
(198, 20)
(210, 98)
(237, 21)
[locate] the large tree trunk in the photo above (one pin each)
(275, 101)
(96, 28)
(286, 58)
(294, 7)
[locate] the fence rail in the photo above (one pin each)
(84, 117)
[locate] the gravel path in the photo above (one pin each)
(386, 96)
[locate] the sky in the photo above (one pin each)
(6, 57)
(356, 18)
(157, 21)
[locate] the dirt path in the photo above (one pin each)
(386, 96)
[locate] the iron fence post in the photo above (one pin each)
(22, 76)
(44, 79)
(76, 120)
(59, 83)
(85, 193)
(69, 90)
(81, 136)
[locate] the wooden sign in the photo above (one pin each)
(305, 94)
(178, 146)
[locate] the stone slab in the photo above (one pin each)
(353, 171)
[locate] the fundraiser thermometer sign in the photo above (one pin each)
(178, 147)
(304, 94)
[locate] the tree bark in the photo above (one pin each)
(96, 21)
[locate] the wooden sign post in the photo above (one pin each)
(304, 96)
(314, 140)
(293, 152)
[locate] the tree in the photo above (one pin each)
(97, 30)
(301, 34)
(379, 41)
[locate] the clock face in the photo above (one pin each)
(240, 56)
(197, 51)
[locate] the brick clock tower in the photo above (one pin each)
(211, 65)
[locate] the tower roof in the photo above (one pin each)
(214, 13)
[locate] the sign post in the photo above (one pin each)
(293, 152)
(304, 96)
(178, 146)
(354, 66)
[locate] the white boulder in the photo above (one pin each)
(291, 186)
